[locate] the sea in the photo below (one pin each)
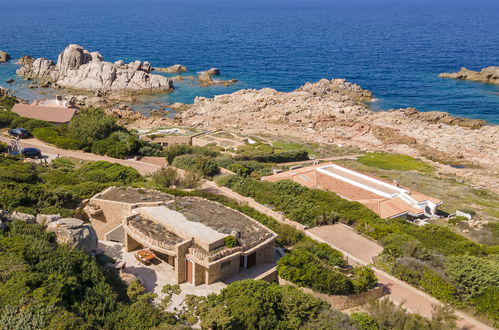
(395, 48)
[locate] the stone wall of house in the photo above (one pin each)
(341, 302)
(181, 250)
(270, 276)
(131, 244)
(223, 269)
(199, 274)
(112, 215)
(266, 253)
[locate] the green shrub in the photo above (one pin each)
(230, 241)
(90, 125)
(196, 163)
(364, 279)
(7, 102)
(303, 268)
(281, 157)
(487, 303)
(29, 124)
(472, 274)
(105, 172)
(6, 118)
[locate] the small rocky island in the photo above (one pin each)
(79, 69)
(488, 75)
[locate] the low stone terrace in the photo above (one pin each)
(134, 195)
(221, 219)
(153, 231)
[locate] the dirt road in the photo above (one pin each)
(143, 167)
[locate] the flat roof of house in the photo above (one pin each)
(220, 218)
(134, 195)
(46, 113)
(178, 224)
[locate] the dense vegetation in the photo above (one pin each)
(30, 188)
(317, 266)
(90, 130)
(44, 285)
(418, 255)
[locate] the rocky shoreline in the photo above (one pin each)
(488, 75)
(333, 112)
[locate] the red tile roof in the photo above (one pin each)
(51, 114)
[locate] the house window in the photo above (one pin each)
(225, 264)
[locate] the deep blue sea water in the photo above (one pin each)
(394, 48)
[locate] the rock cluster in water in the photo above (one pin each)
(4, 56)
(79, 69)
(488, 75)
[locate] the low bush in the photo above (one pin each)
(196, 163)
(280, 157)
(6, 118)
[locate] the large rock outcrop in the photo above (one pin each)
(177, 68)
(4, 56)
(488, 75)
(330, 112)
(337, 89)
(74, 232)
(79, 69)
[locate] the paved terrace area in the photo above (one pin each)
(154, 230)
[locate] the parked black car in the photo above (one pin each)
(19, 132)
(28, 152)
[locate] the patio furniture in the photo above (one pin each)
(145, 256)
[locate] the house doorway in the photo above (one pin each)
(189, 271)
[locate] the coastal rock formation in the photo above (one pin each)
(213, 72)
(325, 114)
(205, 79)
(25, 60)
(177, 68)
(4, 56)
(488, 75)
(74, 232)
(337, 89)
(79, 69)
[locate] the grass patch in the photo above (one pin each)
(394, 162)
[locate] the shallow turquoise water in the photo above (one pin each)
(394, 48)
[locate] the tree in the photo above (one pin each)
(90, 125)
(134, 290)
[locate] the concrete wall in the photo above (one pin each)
(116, 235)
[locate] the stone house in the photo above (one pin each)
(189, 233)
